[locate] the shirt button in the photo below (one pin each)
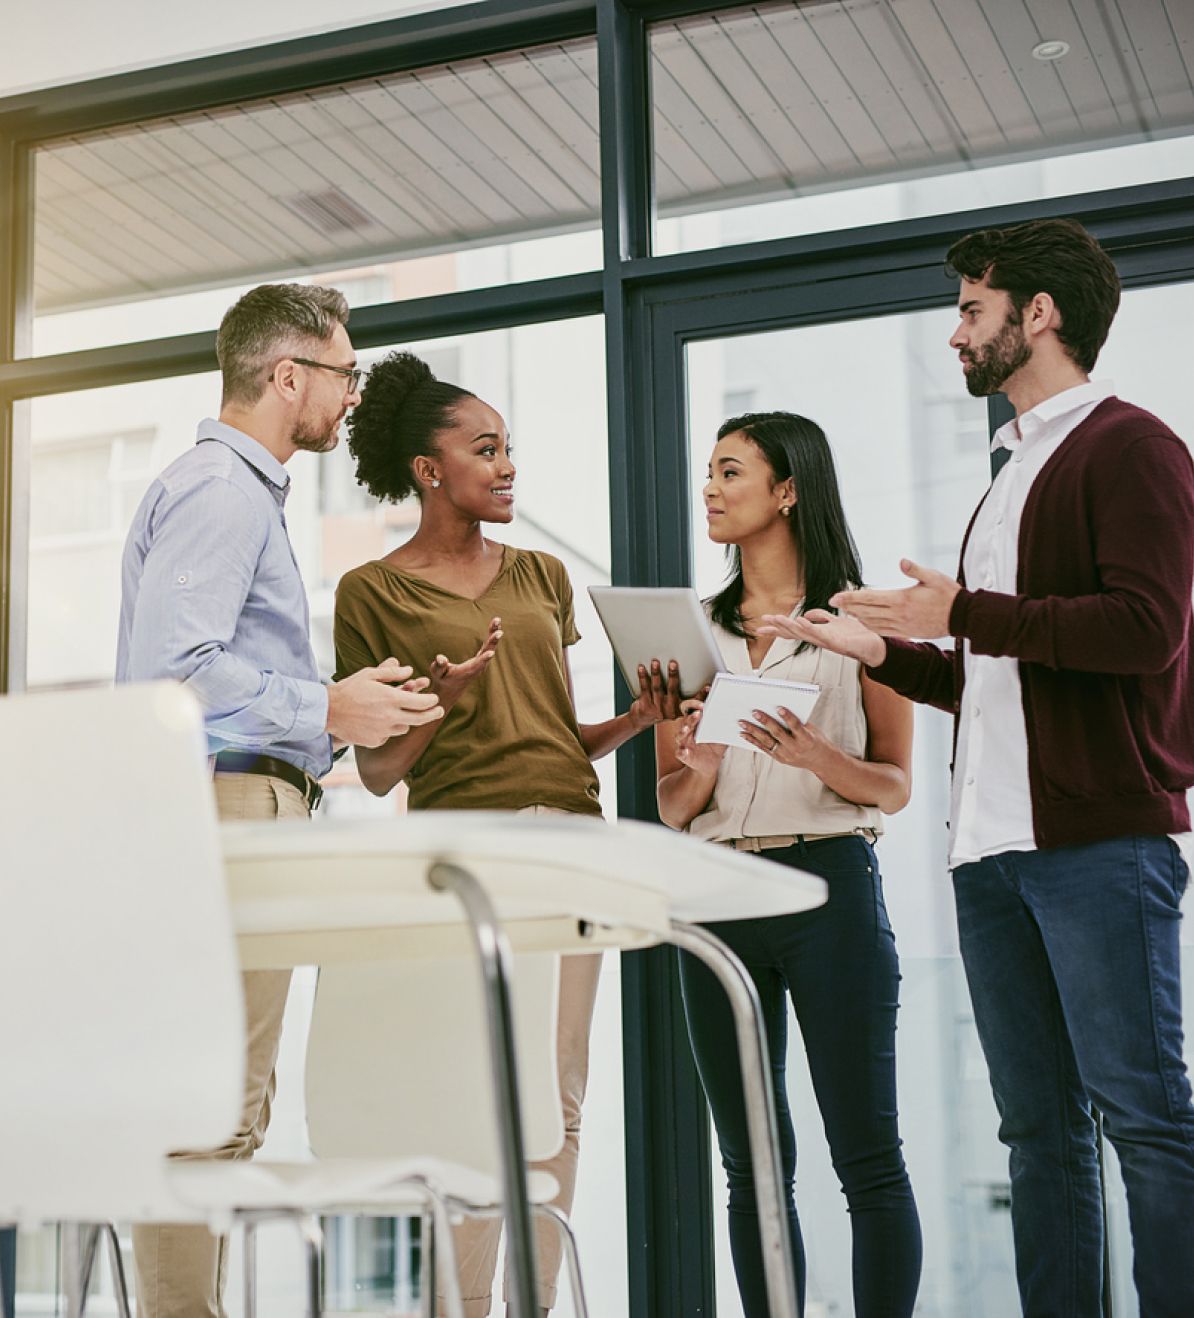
(1017, 457)
(969, 782)
(978, 713)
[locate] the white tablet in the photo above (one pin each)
(664, 623)
(736, 696)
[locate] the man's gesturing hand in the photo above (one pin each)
(830, 631)
(920, 613)
(368, 708)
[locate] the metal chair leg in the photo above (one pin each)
(580, 1304)
(116, 1262)
(445, 1263)
(312, 1236)
(776, 1243)
(250, 1267)
(493, 952)
(79, 1243)
(427, 1262)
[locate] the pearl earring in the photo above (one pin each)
(435, 485)
(786, 510)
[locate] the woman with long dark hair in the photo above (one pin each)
(491, 625)
(810, 795)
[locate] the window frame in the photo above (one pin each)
(652, 307)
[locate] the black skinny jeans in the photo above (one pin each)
(839, 964)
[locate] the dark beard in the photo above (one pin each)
(995, 362)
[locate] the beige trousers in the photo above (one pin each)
(181, 1270)
(476, 1239)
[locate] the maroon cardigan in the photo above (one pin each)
(1101, 625)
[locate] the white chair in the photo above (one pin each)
(118, 968)
(398, 1066)
(119, 974)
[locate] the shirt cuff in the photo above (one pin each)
(311, 721)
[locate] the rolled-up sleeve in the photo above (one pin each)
(204, 544)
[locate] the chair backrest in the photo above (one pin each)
(398, 1061)
(123, 1018)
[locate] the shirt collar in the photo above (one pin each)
(255, 454)
(1012, 433)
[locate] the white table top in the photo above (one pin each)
(357, 889)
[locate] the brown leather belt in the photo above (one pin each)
(777, 840)
(270, 766)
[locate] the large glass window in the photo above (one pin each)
(784, 118)
(476, 173)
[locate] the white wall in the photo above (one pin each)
(119, 35)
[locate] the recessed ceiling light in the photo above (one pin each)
(1050, 50)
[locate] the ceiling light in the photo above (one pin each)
(1050, 50)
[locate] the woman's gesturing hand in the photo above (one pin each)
(658, 699)
(449, 680)
(831, 631)
(786, 739)
(702, 757)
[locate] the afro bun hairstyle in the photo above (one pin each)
(402, 409)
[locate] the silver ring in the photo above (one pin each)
(774, 744)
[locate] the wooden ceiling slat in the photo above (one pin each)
(489, 116)
(797, 32)
(875, 82)
(685, 113)
(706, 65)
(808, 118)
(923, 28)
(1151, 31)
(394, 157)
(406, 114)
(752, 90)
(515, 93)
(338, 157)
(1018, 32)
(917, 91)
(1180, 14)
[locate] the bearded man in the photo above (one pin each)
(1071, 682)
(211, 596)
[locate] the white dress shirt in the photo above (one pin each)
(991, 809)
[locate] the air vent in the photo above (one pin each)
(331, 211)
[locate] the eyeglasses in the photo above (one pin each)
(351, 373)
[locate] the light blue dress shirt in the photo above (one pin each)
(211, 595)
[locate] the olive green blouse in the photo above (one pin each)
(512, 739)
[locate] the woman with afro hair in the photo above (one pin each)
(491, 625)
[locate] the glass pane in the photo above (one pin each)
(786, 118)
(911, 456)
(912, 460)
(406, 185)
(93, 455)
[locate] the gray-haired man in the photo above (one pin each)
(212, 596)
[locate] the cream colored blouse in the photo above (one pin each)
(757, 797)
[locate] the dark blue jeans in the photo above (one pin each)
(1073, 963)
(839, 964)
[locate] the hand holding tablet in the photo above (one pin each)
(733, 699)
(668, 623)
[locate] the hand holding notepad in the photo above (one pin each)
(734, 697)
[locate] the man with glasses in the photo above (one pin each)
(212, 597)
